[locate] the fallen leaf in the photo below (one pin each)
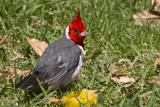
(117, 72)
(147, 98)
(4, 40)
(116, 79)
(101, 38)
(54, 100)
(158, 61)
(11, 71)
(56, 26)
(25, 73)
(0, 75)
(121, 80)
(15, 54)
(126, 79)
(85, 60)
(155, 81)
(37, 45)
(37, 24)
(156, 4)
(147, 16)
(131, 35)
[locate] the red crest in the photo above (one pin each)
(77, 23)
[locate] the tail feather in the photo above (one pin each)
(30, 82)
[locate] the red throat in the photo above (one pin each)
(79, 26)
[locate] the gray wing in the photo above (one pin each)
(57, 65)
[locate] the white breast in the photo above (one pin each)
(78, 69)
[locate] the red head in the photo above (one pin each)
(77, 30)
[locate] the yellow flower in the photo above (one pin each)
(76, 98)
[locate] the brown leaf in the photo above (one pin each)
(37, 45)
(25, 73)
(117, 72)
(158, 61)
(147, 16)
(56, 26)
(15, 54)
(126, 79)
(155, 81)
(131, 35)
(116, 79)
(147, 98)
(37, 24)
(0, 75)
(11, 71)
(101, 38)
(156, 4)
(4, 39)
(54, 100)
(123, 79)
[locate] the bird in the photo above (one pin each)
(61, 62)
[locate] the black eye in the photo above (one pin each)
(76, 31)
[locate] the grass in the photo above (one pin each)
(110, 25)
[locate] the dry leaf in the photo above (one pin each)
(120, 71)
(116, 80)
(11, 71)
(25, 73)
(146, 98)
(156, 4)
(126, 79)
(155, 81)
(123, 79)
(54, 100)
(131, 35)
(115, 69)
(117, 72)
(4, 39)
(0, 75)
(37, 24)
(16, 55)
(56, 26)
(101, 38)
(37, 45)
(147, 16)
(158, 61)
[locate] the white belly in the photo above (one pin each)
(78, 69)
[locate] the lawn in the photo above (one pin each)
(115, 44)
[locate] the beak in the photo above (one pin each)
(84, 33)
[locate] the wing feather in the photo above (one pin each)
(59, 64)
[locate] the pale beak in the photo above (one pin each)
(84, 33)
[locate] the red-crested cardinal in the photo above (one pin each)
(61, 62)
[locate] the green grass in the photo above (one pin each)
(110, 25)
